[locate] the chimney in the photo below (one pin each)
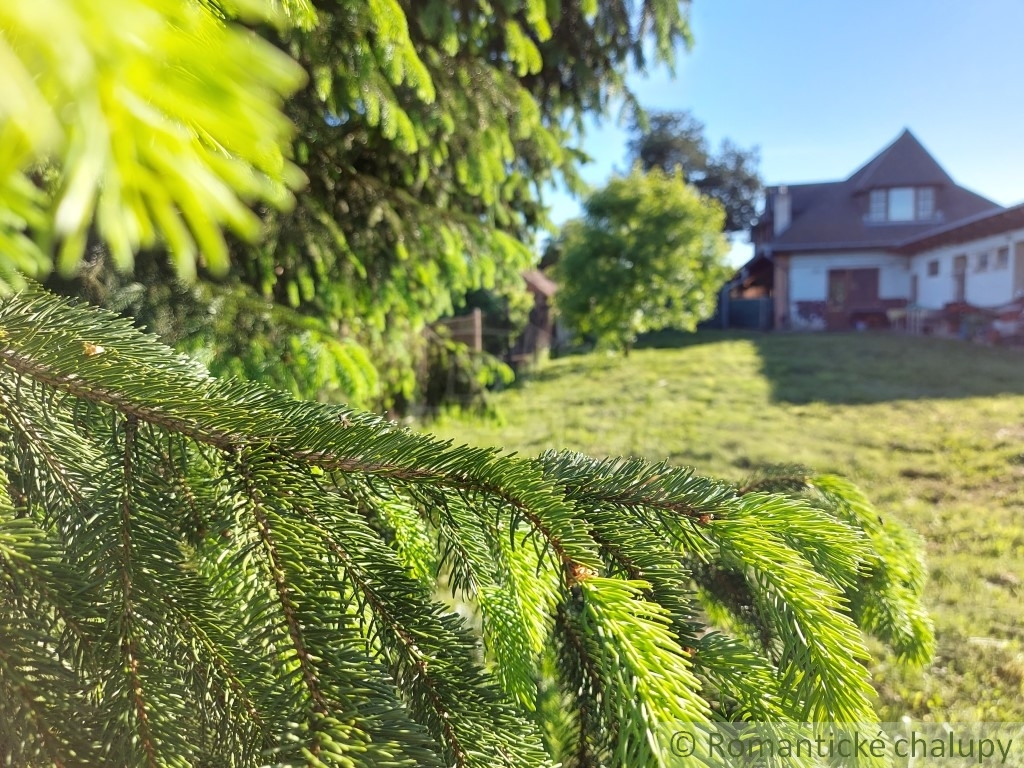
(782, 210)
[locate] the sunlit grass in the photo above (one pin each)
(932, 429)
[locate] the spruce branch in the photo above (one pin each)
(232, 416)
(270, 568)
(129, 646)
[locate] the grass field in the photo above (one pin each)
(931, 429)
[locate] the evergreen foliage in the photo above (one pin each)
(232, 330)
(157, 119)
(648, 254)
(198, 571)
(425, 132)
(428, 132)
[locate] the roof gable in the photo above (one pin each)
(904, 163)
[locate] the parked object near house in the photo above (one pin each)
(895, 244)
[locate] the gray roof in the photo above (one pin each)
(831, 215)
(904, 163)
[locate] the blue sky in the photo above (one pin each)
(822, 85)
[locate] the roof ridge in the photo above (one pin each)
(869, 167)
(906, 143)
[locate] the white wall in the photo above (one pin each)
(808, 277)
(991, 287)
(988, 288)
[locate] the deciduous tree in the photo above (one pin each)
(648, 254)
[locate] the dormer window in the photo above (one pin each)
(901, 204)
(877, 205)
(925, 203)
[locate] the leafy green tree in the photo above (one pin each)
(648, 254)
(668, 140)
(197, 571)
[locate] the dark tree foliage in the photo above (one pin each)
(425, 132)
(667, 140)
(427, 137)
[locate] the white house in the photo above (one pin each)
(898, 233)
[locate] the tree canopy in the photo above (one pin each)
(424, 134)
(200, 571)
(668, 140)
(648, 254)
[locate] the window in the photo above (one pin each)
(901, 204)
(876, 205)
(1003, 257)
(959, 277)
(933, 268)
(925, 203)
(982, 264)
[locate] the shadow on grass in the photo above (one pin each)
(846, 368)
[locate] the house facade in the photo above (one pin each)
(897, 235)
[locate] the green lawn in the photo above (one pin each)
(932, 429)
